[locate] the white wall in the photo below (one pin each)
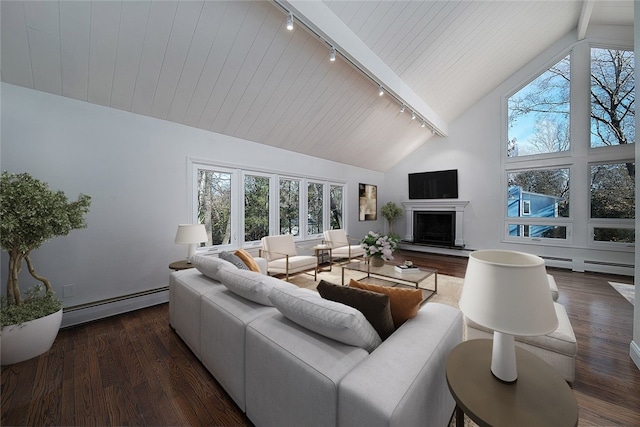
(474, 147)
(135, 170)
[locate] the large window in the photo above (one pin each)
(238, 207)
(612, 97)
(214, 205)
(256, 207)
(315, 208)
(549, 139)
(336, 197)
(290, 206)
(539, 114)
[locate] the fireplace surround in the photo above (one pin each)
(442, 219)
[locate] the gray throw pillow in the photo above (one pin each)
(328, 318)
(233, 259)
(375, 306)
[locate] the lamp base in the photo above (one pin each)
(503, 358)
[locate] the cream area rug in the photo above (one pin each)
(627, 291)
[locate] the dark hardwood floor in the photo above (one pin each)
(133, 369)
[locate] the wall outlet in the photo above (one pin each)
(68, 290)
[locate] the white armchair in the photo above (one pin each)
(282, 256)
(340, 246)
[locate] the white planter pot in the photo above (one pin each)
(29, 340)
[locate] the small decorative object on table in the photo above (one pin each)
(379, 248)
(407, 267)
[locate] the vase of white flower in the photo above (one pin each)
(379, 248)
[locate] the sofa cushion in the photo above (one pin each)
(328, 318)
(404, 302)
(211, 266)
(248, 260)
(233, 259)
(251, 285)
(374, 305)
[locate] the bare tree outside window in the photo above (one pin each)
(315, 197)
(336, 197)
(290, 207)
(214, 205)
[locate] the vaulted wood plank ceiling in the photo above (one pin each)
(232, 67)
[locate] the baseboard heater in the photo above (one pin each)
(83, 313)
(610, 264)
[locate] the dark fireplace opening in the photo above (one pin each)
(434, 228)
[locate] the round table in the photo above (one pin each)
(539, 397)
(180, 265)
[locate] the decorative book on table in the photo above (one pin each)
(406, 269)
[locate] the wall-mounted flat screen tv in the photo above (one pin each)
(434, 185)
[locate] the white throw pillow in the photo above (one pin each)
(211, 266)
(251, 285)
(328, 318)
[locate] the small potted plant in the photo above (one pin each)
(391, 212)
(379, 248)
(31, 214)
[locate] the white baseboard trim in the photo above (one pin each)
(634, 352)
(84, 313)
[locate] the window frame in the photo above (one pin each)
(238, 174)
(578, 159)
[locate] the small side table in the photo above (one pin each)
(540, 396)
(320, 251)
(183, 264)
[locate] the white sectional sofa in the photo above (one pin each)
(281, 373)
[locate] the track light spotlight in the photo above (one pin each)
(290, 22)
(402, 108)
(423, 124)
(380, 91)
(413, 115)
(332, 54)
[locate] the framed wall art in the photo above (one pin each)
(368, 202)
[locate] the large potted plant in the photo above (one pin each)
(391, 212)
(31, 214)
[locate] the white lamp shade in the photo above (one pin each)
(191, 233)
(508, 292)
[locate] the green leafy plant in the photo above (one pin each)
(31, 214)
(391, 212)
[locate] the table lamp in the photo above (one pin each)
(508, 292)
(191, 234)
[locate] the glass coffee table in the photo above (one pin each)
(388, 273)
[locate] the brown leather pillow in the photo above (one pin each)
(248, 260)
(375, 306)
(404, 302)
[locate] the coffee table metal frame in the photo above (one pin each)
(389, 273)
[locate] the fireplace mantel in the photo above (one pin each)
(435, 205)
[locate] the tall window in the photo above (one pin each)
(256, 207)
(315, 203)
(336, 197)
(612, 97)
(539, 114)
(541, 152)
(214, 205)
(290, 206)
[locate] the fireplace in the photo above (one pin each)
(443, 219)
(435, 228)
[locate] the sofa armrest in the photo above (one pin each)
(262, 263)
(402, 382)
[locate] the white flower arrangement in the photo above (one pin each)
(376, 245)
